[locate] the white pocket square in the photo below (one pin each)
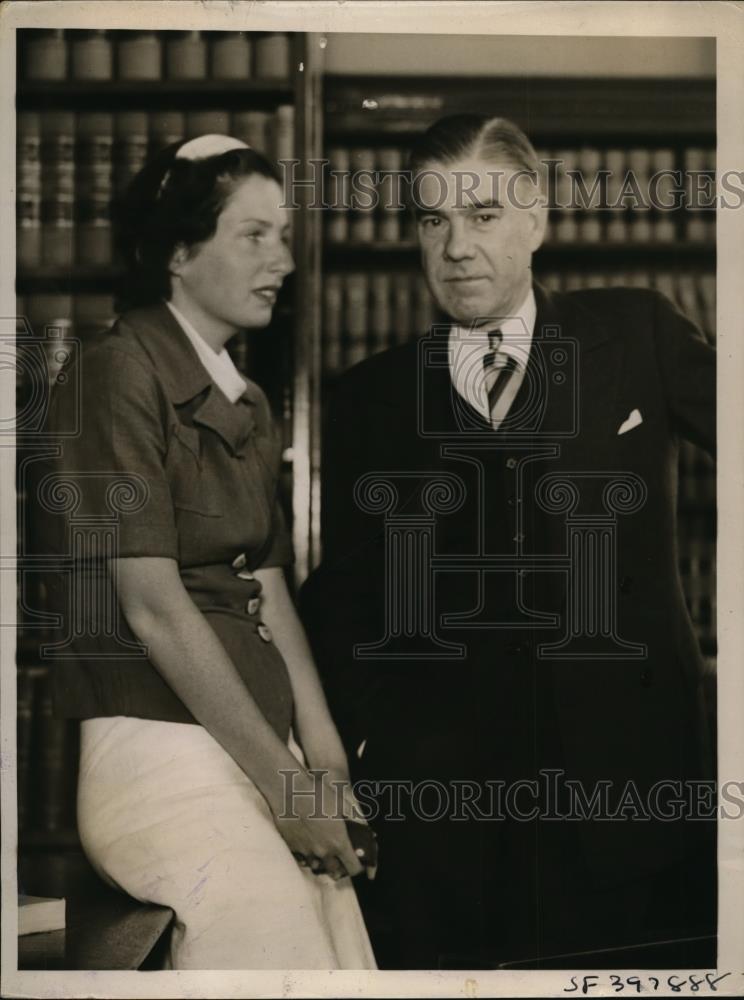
(634, 419)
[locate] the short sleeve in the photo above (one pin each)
(114, 467)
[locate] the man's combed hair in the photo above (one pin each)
(173, 202)
(496, 140)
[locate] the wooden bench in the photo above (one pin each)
(105, 929)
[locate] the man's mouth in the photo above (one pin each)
(468, 280)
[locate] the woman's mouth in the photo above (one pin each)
(267, 294)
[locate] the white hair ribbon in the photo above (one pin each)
(209, 145)
(201, 148)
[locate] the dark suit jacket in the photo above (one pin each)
(636, 714)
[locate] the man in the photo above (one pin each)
(499, 613)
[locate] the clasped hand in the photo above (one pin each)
(313, 823)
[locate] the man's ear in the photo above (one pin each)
(539, 222)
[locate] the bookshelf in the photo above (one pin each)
(373, 291)
(357, 287)
(92, 106)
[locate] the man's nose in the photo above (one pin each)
(457, 245)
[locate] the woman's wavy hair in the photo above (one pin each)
(173, 202)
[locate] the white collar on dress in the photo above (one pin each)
(468, 347)
(220, 367)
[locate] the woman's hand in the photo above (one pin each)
(312, 822)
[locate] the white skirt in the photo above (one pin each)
(166, 815)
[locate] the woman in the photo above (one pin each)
(193, 791)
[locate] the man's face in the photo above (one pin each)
(479, 223)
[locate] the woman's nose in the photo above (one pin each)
(284, 262)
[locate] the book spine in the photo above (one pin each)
(230, 56)
(641, 228)
(362, 219)
(380, 313)
(92, 56)
(252, 127)
(94, 188)
(28, 217)
(208, 122)
(566, 228)
(165, 128)
(356, 318)
(337, 191)
(390, 195)
(271, 55)
(130, 147)
(662, 168)
(185, 55)
(45, 55)
(590, 222)
(333, 314)
(139, 55)
(58, 189)
(282, 133)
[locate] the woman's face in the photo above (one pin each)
(231, 281)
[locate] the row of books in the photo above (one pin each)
(71, 166)
(366, 191)
(367, 312)
(47, 756)
(693, 291)
(571, 228)
(154, 55)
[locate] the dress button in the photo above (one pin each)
(511, 463)
(253, 605)
(245, 574)
(239, 561)
(265, 632)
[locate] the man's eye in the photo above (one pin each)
(486, 217)
(431, 220)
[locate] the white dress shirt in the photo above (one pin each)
(468, 347)
(220, 366)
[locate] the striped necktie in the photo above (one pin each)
(499, 369)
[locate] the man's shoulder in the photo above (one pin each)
(384, 368)
(606, 300)
(619, 311)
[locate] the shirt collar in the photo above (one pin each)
(468, 347)
(516, 333)
(219, 366)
